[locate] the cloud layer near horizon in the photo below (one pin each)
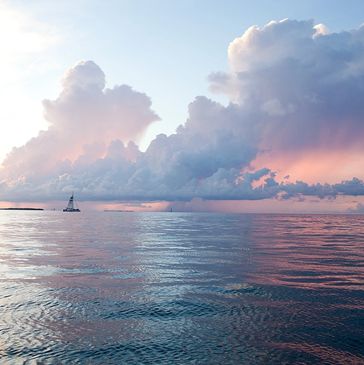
(293, 87)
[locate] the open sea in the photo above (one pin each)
(181, 288)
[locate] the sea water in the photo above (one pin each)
(181, 288)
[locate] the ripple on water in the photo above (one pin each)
(181, 288)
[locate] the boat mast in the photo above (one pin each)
(70, 202)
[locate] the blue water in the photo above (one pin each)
(181, 288)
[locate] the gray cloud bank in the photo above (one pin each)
(292, 86)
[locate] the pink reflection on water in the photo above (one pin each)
(311, 252)
(326, 355)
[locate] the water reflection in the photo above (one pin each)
(309, 251)
(180, 288)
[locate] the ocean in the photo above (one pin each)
(181, 288)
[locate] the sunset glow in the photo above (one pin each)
(288, 125)
(181, 182)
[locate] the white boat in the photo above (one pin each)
(71, 206)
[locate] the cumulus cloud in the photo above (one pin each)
(292, 86)
(304, 84)
(84, 114)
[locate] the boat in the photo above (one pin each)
(71, 205)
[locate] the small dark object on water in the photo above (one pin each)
(70, 206)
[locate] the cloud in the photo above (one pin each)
(293, 86)
(304, 84)
(358, 209)
(83, 120)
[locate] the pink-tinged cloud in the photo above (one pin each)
(83, 120)
(314, 165)
(296, 92)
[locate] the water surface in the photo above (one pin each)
(181, 288)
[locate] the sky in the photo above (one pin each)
(195, 105)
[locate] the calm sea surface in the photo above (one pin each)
(181, 288)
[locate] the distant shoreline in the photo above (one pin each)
(21, 209)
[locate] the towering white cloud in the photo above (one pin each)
(292, 85)
(85, 114)
(304, 85)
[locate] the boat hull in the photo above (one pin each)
(71, 210)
